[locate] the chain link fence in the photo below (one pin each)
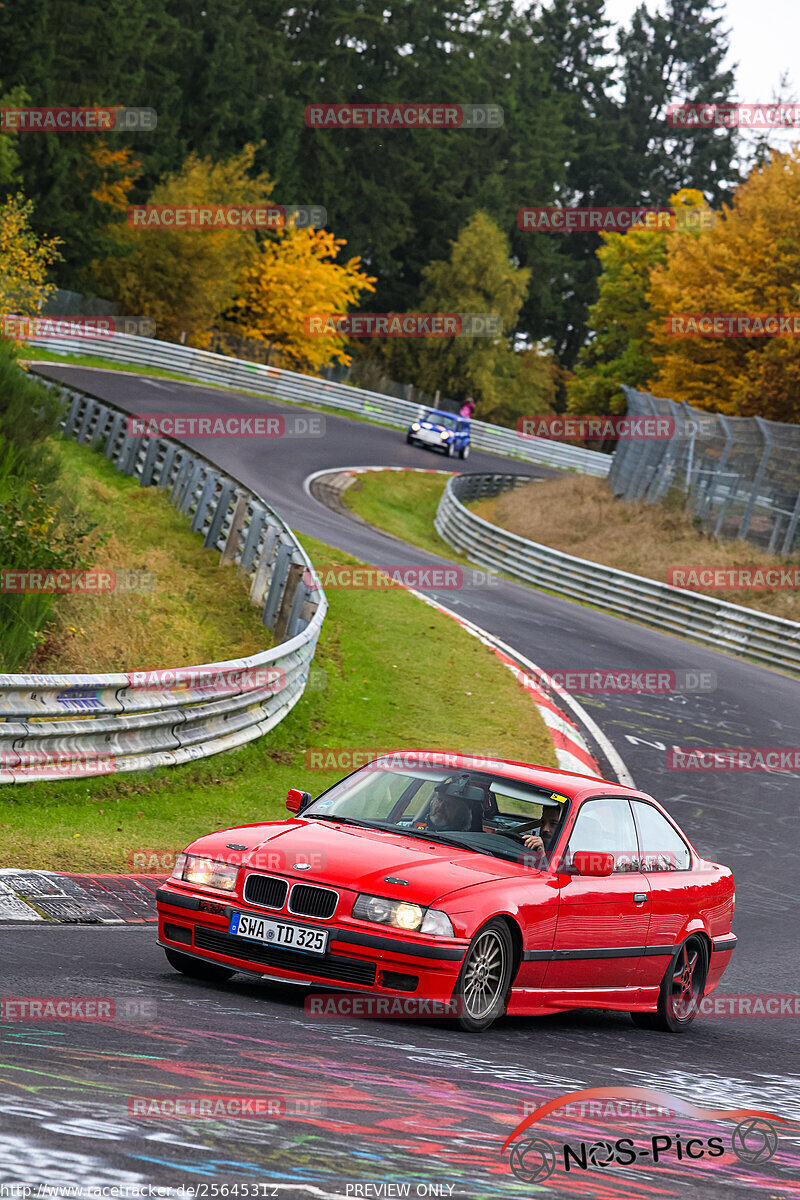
(740, 475)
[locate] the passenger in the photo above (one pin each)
(449, 812)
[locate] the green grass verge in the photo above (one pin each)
(403, 504)
(389, 672)
(193, 612)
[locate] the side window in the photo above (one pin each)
(662, 848)
(606, 826)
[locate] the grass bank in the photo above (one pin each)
(577, 515)
(389, 672)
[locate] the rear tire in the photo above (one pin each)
(681, 990)
(196, 968)
(482, 985)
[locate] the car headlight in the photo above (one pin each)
(206, 872)
(402, 915)
(415, 427)
(445, 434)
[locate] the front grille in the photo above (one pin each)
(350, 970)
(265, 890)
(308, 901)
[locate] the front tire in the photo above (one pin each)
(451, 450)
(464, 452)
(482, 985)
(409, 440)
(196, 968)
(681, 990)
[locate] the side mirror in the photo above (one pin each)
(296, 800)
(592, 862)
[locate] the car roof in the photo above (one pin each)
(568, 783)
(440, 412)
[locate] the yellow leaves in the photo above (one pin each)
(25, 258)
(748, 263)
(290, 277)
(117, 170)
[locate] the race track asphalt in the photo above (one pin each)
(400, 1102)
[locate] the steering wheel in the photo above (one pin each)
(515, 834)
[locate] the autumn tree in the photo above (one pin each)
(748, 263)
(185, 278)
(25, 260)
(292, 275)
(620, 345)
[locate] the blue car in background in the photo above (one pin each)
(440, 430)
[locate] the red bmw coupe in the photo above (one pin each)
(495, 886)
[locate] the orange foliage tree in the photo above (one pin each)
(748, 263)
(292, 275)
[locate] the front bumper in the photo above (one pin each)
(356, 959)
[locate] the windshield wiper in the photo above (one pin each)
(446, 841)
(342, 820)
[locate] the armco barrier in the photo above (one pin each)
(305, 389)
(57, 726)
(717, 623)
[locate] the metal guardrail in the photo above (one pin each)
(717, 623)
(305, 389)
(59, 726)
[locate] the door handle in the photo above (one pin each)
(639, 897)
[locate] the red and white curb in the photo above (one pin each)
(571, 748)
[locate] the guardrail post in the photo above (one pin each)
(149, 464)
(276, 583)
(291, 600)
(190, 487)
(72, 415)
(91, 407)
(259, 585)
(223, 504)
(180, 477)
(257, 519)
(237, 521)
(788, 541)
(166, 466)
(198, 520)
(113, 434)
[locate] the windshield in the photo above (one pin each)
(437, 418)
(474, 810)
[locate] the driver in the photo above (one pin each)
(540, 843)
(449, 812)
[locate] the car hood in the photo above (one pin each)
(345, 856)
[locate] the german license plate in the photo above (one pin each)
(279, 933)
